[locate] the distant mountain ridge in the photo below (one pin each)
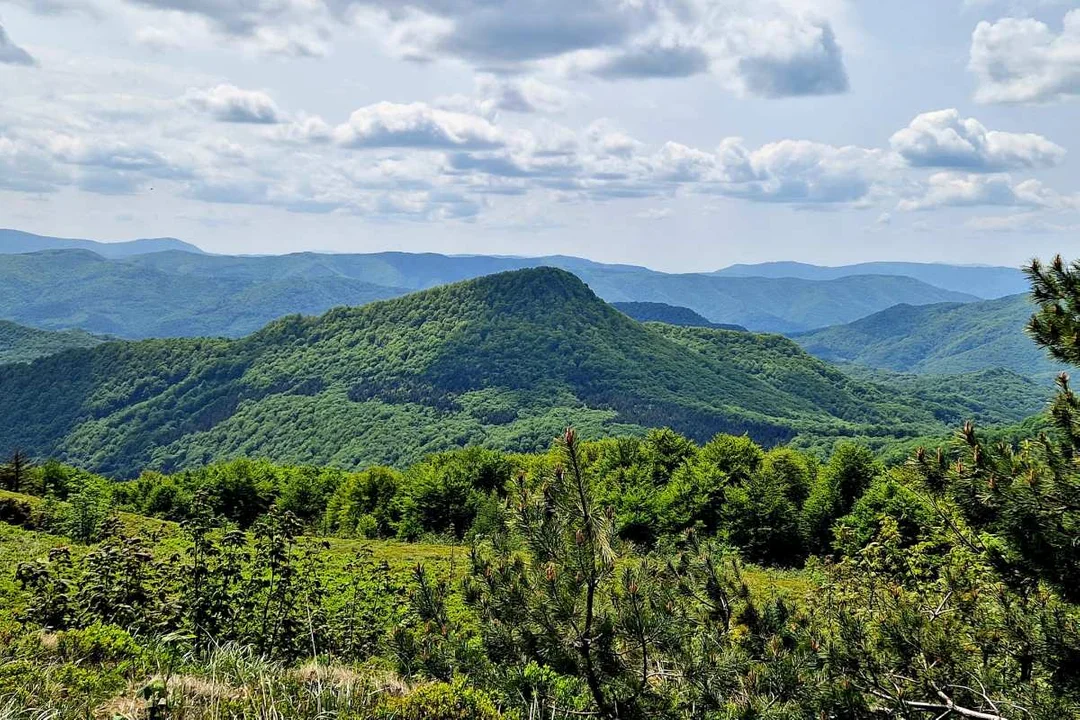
(505, 360)
(986, 282)
(176, 293)
(937, 339)
(16, 241)
(167, 288)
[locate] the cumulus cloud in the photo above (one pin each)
(415, 125)
(959, 190)
(768, 48)
(771, 48)
(943, 139)
(24, 169)
(783, 58)
(798, 171)
(12, 54)
(1025, 61)
(520, 95)
(228, 103)
(653, 61)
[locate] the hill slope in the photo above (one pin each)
(23, 344)
(173, 294)
(946, 338)
(16, 241)
(783, 305)
(981, 281)
(764, 304)
(670, 314)
(506, 360)
(58, 289)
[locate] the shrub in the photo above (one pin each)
(98, 644)
(440, 701)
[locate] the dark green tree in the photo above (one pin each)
(13, 474)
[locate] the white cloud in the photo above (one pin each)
(949, 189)
(799, 171)
(415, 125)
(606, 139)
(12, 54)
(769, 48)
(23, 168)
(943, 139)
(520, 95)
(228, 103)
(1024, 61)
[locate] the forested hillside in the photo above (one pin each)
(22, 344)
(62, 289)
(504, 361)
(177, 294)
(938, 339)
(669, 314)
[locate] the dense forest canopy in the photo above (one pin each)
(502, 361)
(938, 339)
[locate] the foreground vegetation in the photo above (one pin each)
(620, 579)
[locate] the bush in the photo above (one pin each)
(440, 701)
(98, 644)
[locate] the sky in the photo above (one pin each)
(684, 135)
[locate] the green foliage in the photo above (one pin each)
(670, 314)
(440, 701)
(20, 344)
(364, 504)
(504, 361)
(896, 497)
(604, 580)
(945, 339)
(88, 507)
(443, 493)
(176, 293)
(850, 471)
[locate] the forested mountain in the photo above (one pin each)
(58, 289)
(981, 281)
(174, 294)
(945, 338)
(670, 314)
(16, 241)
(782, 305)
(19, 343)
(504, 360)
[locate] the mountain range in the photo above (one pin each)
(982, 281)
(181, 293)
(937, 339)
(505, 360)
(16, 241)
